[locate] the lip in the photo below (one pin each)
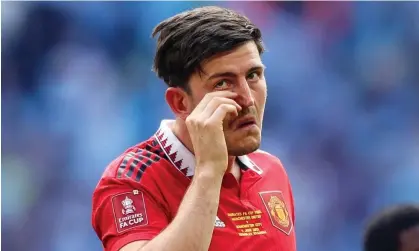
(245, 122)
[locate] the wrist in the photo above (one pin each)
(207, 184)
(211, 171)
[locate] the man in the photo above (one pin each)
(200, 183)
(394, 229)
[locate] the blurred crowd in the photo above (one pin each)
(77, 89)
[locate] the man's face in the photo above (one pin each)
(240, 71)
(409, 239)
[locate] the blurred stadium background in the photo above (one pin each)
(77, 89)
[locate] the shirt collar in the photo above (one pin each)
(181, 157)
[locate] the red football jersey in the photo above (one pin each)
(140, 192)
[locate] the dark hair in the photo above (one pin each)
(383, 231)
(187, 39)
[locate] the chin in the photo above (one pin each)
(243, 147)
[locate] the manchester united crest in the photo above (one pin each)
(277, 210)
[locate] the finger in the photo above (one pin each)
(210, 96)
(215, 103)
(223, 94)
(221, 113)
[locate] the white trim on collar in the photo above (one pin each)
(181, 157)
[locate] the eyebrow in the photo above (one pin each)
(232, 74)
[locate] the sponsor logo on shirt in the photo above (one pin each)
(129, 210)
(219, 223)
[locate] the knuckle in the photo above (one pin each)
(211, 95)
(195, 122)
(213, 102)
(228, 107)
(190, 120)
(207, 124)
(206, 97)
(224, 106)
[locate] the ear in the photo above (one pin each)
(179, 101)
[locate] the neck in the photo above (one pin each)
(180, 130)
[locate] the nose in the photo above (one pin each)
(245, 96)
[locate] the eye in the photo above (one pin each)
(253, 76)
(221, 84)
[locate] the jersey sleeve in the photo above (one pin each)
(124, 212)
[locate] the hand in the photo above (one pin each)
(205, 126)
